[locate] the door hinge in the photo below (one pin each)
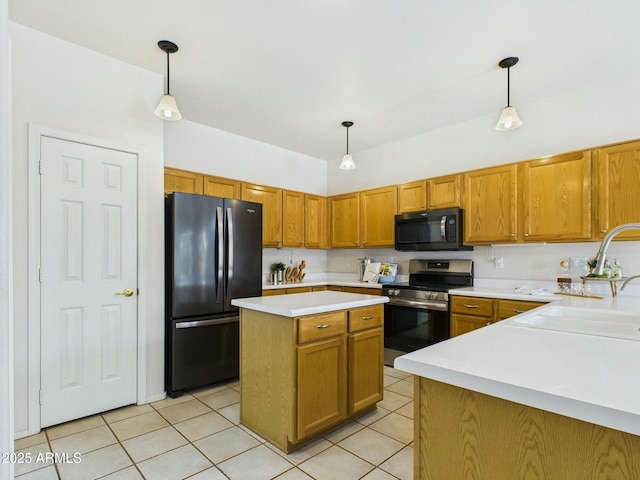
(40, 275)
(40, 167)
(40, 397)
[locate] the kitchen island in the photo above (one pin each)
(512, 401)
(309, 362)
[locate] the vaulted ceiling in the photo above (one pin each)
(288, 72)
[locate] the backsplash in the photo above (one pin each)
(520, 263)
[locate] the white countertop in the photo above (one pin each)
(532, 294)
(591, 378)
(328, 281)
(298, 304)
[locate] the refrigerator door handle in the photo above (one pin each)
(220, 273)
(207, 323)
(230, 249)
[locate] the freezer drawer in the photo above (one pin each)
(201, 352)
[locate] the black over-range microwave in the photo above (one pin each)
(434, 230)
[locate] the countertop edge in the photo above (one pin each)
(616, 419)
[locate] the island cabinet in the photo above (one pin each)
(616, 180)
(470, 313)
(304, 376)
(462, 433)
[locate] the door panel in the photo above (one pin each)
(88, 259)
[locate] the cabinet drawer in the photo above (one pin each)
(472, 306)
(509, 308)
(363, 318)
(321, 326)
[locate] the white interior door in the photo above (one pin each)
(88, 261)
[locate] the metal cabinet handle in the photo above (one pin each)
(526, 235)
(487, 324)
(467, 305)
(127, 292)
(603, 230)
(519, 311)
(324, 325)
(513, 235)
(368, 317)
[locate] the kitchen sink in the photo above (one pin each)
(604, 323)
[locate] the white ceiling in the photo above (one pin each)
(288, 72)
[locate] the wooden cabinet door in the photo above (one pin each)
(444, 192)
(221, 187)
(461, 323)
(556, 198)
(378, 208)
(181, 181)
(490, 205)
(509, 308)
(617, 177)
(271, 200)
(344, 211)
(292, 219)
(321, 379)
(366, 358)
(412, 197)
(315, 221)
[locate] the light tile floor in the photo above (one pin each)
(198, 436)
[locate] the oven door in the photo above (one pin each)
(412, 326)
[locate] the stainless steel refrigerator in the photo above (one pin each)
(213, 254)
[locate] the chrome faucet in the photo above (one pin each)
(628, 280)
(602, 252)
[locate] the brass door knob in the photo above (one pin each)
(127, 292)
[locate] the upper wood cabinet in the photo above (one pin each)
(616, 181)
(378, 208)
(176, 180)
(315, 221)
(444, 192)
(555, 198)
(438, 192)
(292, 219)
(412, 197)
(304, 220)
(490, 205)
(221, 187)
(271, 200)
(344, 211)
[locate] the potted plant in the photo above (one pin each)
(278, 269)
(606, 272)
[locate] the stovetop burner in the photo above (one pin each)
(433, 278)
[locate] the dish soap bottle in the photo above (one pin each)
(616, 271)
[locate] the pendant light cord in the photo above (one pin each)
(347, 141)
(508, 86)
(168, 75)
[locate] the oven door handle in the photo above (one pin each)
(421, 305)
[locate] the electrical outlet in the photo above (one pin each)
(498, 262)
(348, 261)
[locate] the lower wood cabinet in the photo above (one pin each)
(470, 313)
(302, 377)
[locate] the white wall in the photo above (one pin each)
(6, 265)
(199, 148)
(69, 88)
(598, 114)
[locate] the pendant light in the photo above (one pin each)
(509, 119)
(347, 160)
(167, 108)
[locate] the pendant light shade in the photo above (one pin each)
(167, 109)
(509, 119)
(347, 160)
